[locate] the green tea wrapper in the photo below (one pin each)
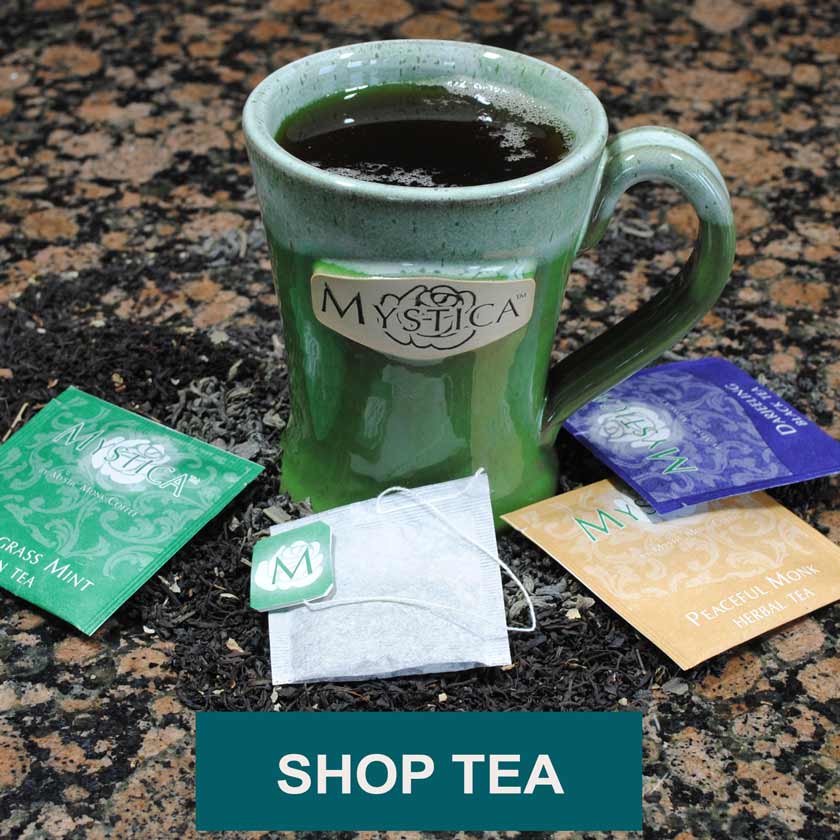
(95, 499)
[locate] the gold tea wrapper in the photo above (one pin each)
(696, 582)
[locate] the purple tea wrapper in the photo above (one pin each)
(690, 432)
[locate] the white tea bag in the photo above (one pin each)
(417, 590)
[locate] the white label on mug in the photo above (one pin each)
(422, 317)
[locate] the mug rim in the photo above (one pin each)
(260, 139)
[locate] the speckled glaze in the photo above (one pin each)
(363, 420)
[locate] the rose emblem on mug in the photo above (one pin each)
(432, 316)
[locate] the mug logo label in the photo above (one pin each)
(422, 317)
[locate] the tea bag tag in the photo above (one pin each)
(290, 568)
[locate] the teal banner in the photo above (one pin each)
(434, 771)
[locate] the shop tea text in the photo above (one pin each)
(379, 774)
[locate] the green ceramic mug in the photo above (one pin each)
(419, 322)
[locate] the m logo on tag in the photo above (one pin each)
(292, 567)
(421, 317)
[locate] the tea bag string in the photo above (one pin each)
(435, 511)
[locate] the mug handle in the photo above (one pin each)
(648, 153)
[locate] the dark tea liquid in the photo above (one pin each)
(426, 135)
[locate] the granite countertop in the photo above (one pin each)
(135, 268)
